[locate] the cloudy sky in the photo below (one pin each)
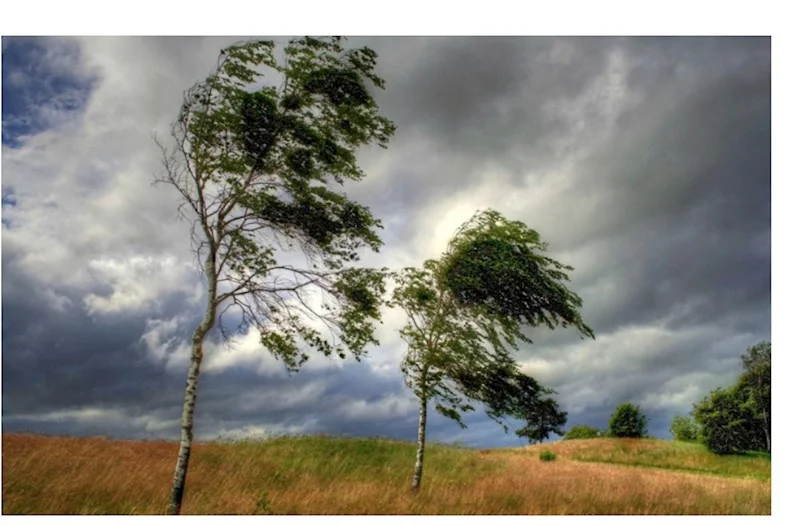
(644, 162)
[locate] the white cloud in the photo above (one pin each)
(392, 406)
(101, 416)
(140, 283)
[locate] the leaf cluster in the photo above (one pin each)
(499, 266)
(260, 167)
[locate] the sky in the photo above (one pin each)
(645, 163)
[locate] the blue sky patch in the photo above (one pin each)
(41, 85)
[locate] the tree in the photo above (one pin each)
(460, 339)
(541, 415)
(683, 428)
(726, 426)
(257, 169)
(755, 381)
(737, 419)
(581, 431)
(628, 421)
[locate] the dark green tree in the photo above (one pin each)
(628, 421)
(542, 416)
(581, 431)
(683, 428)
(738, 418)
(257, 168)
(506, 392)
(726, 425)
(459, 336)
(755, 382)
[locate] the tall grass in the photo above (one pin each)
(653, 453)
(323, 475)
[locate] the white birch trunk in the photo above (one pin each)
(423, 419)
(190, 392)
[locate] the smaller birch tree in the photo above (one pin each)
(462, 334)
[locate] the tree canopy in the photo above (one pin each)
(628, 421)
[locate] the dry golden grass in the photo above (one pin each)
(652, 453)
(317, 475)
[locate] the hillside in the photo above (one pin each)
(324, 475)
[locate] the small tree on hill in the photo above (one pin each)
(683, 428)
(628, 421)
(541, 415)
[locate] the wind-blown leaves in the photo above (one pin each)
(258, 170)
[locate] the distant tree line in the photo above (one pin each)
(730, 420)
(627, 421)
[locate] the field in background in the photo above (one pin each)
(324, 475)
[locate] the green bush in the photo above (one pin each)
(581, 431)
(725, 424)
(547, 456)
(684, 429)
(628, 421)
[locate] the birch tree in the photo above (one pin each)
(258, 169)
(466, 312)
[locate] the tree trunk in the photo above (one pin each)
(423, 420)
(766, 434)
(190, 392)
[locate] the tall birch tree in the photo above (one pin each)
(258, 169)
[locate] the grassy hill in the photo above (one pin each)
(324, 475)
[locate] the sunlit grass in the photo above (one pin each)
(326, 475)
(684, 456)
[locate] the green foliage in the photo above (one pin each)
(259, 169)
(498, 266)
(738, 418)
(507, 392)
(628, 421)
(755, 383)
(580, 432)
(684, 429)
(547, 456)
(726, 425)
(460, 348)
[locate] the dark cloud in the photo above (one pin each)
(645, 162)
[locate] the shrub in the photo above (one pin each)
(628, 421)
(683, 428)
(581, 431)
(547, 456)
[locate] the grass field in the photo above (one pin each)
(323, 475)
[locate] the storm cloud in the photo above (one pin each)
(644, 162)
